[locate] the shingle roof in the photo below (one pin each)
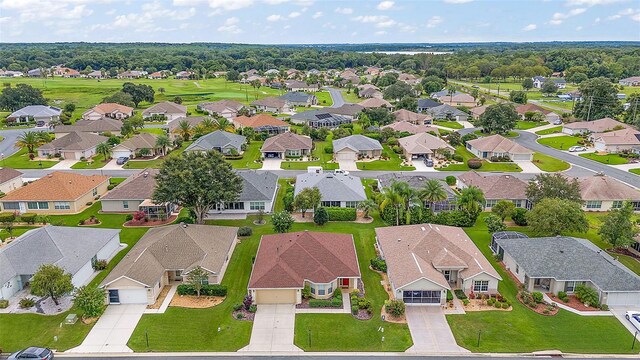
(221, 105)
(333, 187)
(404, 126)
(572, 259)
(217, 139)
(287, 260)
(259, 120)
(413, 252)
(456, 98)
(415, 182)
(445, 110)
(173, 125)
(287, 141)
(319, 115)
(406, 115)
(620, 137)
(356, 143)
(165, 107)
(36, 111)
(107, 108)
(270, 102)
(427, 103)
(139, 186)
(597, 126)
(62, 186)
(258, 186)
(75, 141)
(496, 187)
(7, 174)
(375, 103)
(67, 247)
(97, 126)
(606, 188)
(498, 143)
(140, 141)
(423, 143)
(296, 96)
(346, 109)
(175, 247)
(522, 109)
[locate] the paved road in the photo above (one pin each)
(336, 96)
(307, 356)
(7, 146)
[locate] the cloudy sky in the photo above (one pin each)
(317, 21)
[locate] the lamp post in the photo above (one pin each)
(40, 164)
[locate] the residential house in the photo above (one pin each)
(630, 81)
(104, 125)
(538, 82)
(110, 110)
(295, 85)
(625, 140)
(437, 95)
(477, 111)
(184, 75)
(287, 145)
(594, 126)
(261, 123)
(371, 92)
(228, 109)
(405, 126)
(10, 179)
(165, 256)
(56, 193)
(423, 146)
(66, 72)
(73, 146)
(136, 194)
(165, 110)
(319, 118)
(133, 146)
(372, 103)
(496, 188)
(408, 79)
(350, 111)
(447, 112)
(337, 190)
(424, 261)
(36, 73)
(298, 98)
(158, 75)
(549, 116)
(372, 70)
(287, 263)
(271, 104)
(173, 126)
(604, 193)
(498, 146)
(10, 73)
(410, 116)
(222, 141)
(259, 191)
(96, 74)
(459, 99)
(74, 249)
(133, 74)
(356, 147)
(561, 263)
(42, 115)
(417, 183)
(425, 104)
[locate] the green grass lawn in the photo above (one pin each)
(609, 159)
(549, 163)
(486, 165)
(96, 163)
(156, 131)
(350, 97)
(318, 152)
(448, 124)
(249, 157)
(283, 185)
(155, 163)
(116, 180)
(635, 171)
(324, 98)
(20, 160)
(393, 164)
(560, 142)
(526, 125)
(553, 130)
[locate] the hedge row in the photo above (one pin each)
(317, 303)
(207, 290)
(341, 214)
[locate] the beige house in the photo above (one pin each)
(422, 146)
(56, 193)
(425, 260)
(412, 117)
(477, 111)
(271, 104)
(73, 146)
(405, 126)
(496, 188)
(594, 127)
(373, 102)
(132, 146)
(458, 99)
(603, 193)
(625, 140)
(228, 109)
(98, 127)
(165, 256)
(10, 179)
(286, 263)
(166, 109)
(355, 147)
(498, 145)
(110, 110)
(286, 145)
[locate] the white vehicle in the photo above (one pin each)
(577, 148)
(634, 318)
(557, 122)
(340, 171)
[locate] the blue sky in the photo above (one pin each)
(317, 21)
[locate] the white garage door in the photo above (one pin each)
(346, 155)
(121, 153)
(521, 157)
(623, 299)
(132, 296)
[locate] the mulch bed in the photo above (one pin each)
(160, 299)
(540, 308)
(150, 223)
(573, 303)
(247, 316)
(89, 222)
(195, 302)
(624, 252)
(363, 315)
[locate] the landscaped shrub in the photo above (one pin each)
(474, 163)
(364, 303)
(337, 293)
(27, 302)
(395, 307)
(111, 186)
(465, 302)
(537, 297)
(490, 302)
(328, 149)
(460, 294)
(29, 218)
(139, 216)
(7, 217)
(306, 292)
(253, 308)
(320, 217)
(457, 157)
(129, 217)
(563, 296)
(247, 301)
(604, 307)
(237, 307)
(587, 295)
(100, 265)
(245, 231)
(449, 295)
(354, 309)
(519, 216)
(336, 302)
(207, 290)
(341, 214)
(319, 303)
(379, 264)
(4, 304)
(450, 180)
(239, 316)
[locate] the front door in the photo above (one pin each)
(114, 297)
(345, 282)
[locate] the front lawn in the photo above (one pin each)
(20, 160)
(96, 163)
(635, 171)
(486, 165)
(155, 163)
(553, 130)
(393, 164)
(526, 125)
(249, 157)
(549, 163)
(560, 142)
(324, 98)
(609, 159)
(448, 124)
(317, 152)
(350, 97)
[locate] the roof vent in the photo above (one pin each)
(561, 251)
(422, 228)
(184, 225)
(146, 173)
(399, 239)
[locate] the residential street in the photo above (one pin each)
(307, 356)
(7, 146)
(336, 96)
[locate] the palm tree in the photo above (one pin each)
(223, 124)
(471, 200)
(163, 142)
(104, 149)
(366, 207)
(184, 129)
(31, 140)
(398, 195)
(433, 192)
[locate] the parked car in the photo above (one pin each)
(122, 160)
(577, 148)
(340, 171)
(32, 353)
(634, 318)
(557, 122)
(428, 162)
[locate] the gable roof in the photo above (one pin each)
(405, 126)
(375, 103)
(356, 143)
(427, 103)
(7, 174)
(175, 247)
(36, 111)
(406, 115)
(457, 97)
(174, 124)
(498, 143)
(75, 141)
(333, 187)
(108, 108)
(423, 143)
(257, 186)
(597, 126)
(445, 110)
(523, 109)
(479, 110)
(346, 109)
(217, 139)
(287, 141)
(600, 187)
(140, 141)
(620, 137)
(166, 107)
(270, 102)
(418, 251)
(415, 182)
(496, 187)
(287, 260)
(259, 120)
(319, 115)
(97, 126)
(57, 185)
(568, 258)
(138, 186)
(296, 96)
(221, 105)
(67, 247)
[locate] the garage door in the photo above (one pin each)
(120, 153)
(128, 296)
(521, 157)
(623, 299)
(275, 296)
(69, 155)
(422, 297)
(346, 155)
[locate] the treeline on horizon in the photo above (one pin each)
(613, 60)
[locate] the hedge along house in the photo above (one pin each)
(164, 256)
(286, 263)
(425, 260)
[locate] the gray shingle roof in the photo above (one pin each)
(296, 96)
(333, 187)
(445, 110)
(96, 126)
(166, 107)
(36, 111)
(427, 103)
(572, 259)
(139, 186)
(356, 143)
(67, 247)
(217, 139)
(258, 186)
(75, 141)
(415, 182)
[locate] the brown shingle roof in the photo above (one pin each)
(97, 126)
(108, 108)
(498, 143)
(496, 187)
(166, 107)
(270, 102)
(620, 137)
(140, 141)
(75, 141)
(597, 126)
(404, 126)
(406, 115)
(7, 174)
(287, 141)
(605, 188)
(139, 186)
(258, 120)
(63, 186)
(423, 143)
(192, 120)
(375, 103)
(522, 109)
(286, 260)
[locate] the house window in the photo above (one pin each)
(321, 290)
(256, 205)
(125, 204)
(95, 191)
(11, 206)
(517, 203)
(480, 285)
(570, 286)
(37, 205)
(517, 269)
(490, 203)
(616, 204)
(61, 205)
(330, 203)
(594, 204)
(313, 288)
(352, 204)
(234, 206)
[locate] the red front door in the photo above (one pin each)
(345, 282)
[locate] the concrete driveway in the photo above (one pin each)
(113, 330)
(273, 329)
(529, 167)
(421, 166)
(430, 331)
(348, 165)
(271, 164)
(619, 312)
(64, 164)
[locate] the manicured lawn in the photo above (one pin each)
(318, 152)
(155, 163)
(553, 130)
(510, 134)
(486, 165)
(448, 124)
(324, 98)
(393, 164)
(116, 180)
(549, 163)
(249, 157)
(525, 125)
(157, 131)
(20, 160)
(96, 163)
(522, 330)
(350, 97)
(283, 184)
(560, 142)
(609, 159)
(635, 171)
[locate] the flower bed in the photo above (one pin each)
(243, 315)
(573, 303)
(540, 307)
(150, 223)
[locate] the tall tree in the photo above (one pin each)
(392, 196)
(121, 98)
(30, 140)
(282, 221)
(599, 99)
(14, 98)
(504, 209)
(139, 92)
(163, 142)
(51, 280)
(471, 200)
(527, 84)
(222, 123)
(499, 118)
(308, 198)
(198, 181)
(551, 217)
(556, 186)
(197, 278)
(433, 192)
(618, 228)
(104, 149)
(184, 129)
(549, 88)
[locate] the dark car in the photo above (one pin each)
(32, 353)
(122, 160)
(428, 162)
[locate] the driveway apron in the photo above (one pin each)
(430, 331)
(273, 329)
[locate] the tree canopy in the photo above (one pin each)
(551, 217)
(599, 99)
(557, 186)
(499, 118)
(15, 98)
(618, 229)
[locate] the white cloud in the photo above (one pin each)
(381, 32)
(530, 27)
(344, 11)
(597, 20)
(592, 2)
(558, 18)
(287, 27)
(385, 5)
(380, 21)
(636, 17)
(579, 28)
(274, 17)
(457, 1)
(626, 12)
(434, 21)
(405, 28)
(318, 14)
(230, 26)
(294, 15)
(216, 4)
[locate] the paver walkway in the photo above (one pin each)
(430, 331)
(273, 329)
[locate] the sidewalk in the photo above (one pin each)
(64, 164)
(578, 312)
(165, 303)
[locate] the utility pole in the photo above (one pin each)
(589, 111)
